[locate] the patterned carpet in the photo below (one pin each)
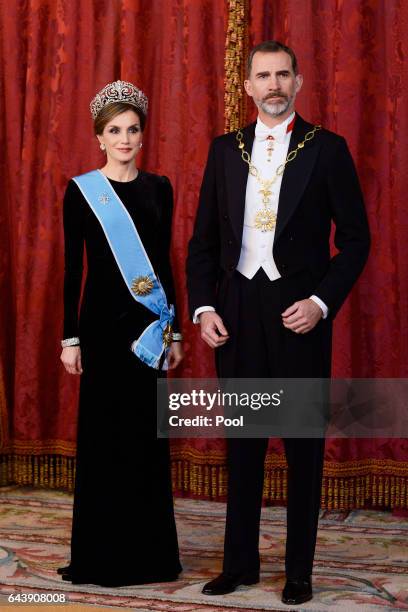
(361, 559)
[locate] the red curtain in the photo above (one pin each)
(55, 54)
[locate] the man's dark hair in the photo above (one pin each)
(272, 46)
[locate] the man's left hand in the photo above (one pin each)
(302, 316)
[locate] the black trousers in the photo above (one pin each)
(264, 348)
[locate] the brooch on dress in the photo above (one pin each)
(104, 198)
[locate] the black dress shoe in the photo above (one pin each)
(227, 583)
(64, 570)
(297, 591)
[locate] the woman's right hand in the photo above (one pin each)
(71, 359)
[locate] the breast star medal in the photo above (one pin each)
(142, 285)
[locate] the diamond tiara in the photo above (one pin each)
(119, 91)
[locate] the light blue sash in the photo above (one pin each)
(133, 263)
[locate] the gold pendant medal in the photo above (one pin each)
(167, 336)
(265, 220)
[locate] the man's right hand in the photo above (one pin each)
(213, 331)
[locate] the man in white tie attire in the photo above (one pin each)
(265, 289)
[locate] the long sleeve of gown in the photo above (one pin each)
(164, 269)
(74, 250)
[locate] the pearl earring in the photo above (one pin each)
(102, 146)
(141, 145)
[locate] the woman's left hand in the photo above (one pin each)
(175, 355)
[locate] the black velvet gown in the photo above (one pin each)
(123, 528)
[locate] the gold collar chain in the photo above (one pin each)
(265, 218)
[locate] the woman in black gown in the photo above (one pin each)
(123, 530)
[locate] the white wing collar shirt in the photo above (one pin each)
(257, 246)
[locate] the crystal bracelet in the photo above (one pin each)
(70, 342)
(176, 337)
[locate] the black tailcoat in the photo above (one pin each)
(318, 187)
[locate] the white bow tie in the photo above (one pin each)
(263, 133)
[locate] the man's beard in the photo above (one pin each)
(275, 109)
